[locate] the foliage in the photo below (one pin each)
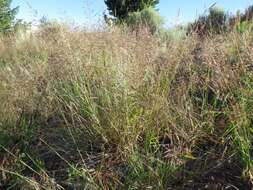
(122, 8)
(215, 22)
(7, 15)
(148, 17)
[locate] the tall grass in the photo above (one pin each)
(123, 110)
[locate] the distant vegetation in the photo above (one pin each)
(133, 107)
(216, 21)
(7, 16)
(148, 17)
(122, 9)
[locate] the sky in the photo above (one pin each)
(91, 11)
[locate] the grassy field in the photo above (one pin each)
(125, 110)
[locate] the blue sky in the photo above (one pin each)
(90, 11)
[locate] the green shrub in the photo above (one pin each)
(217, 19)
(148, 17)
(7, 15)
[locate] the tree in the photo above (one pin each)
(7, 15)
(122, 8)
